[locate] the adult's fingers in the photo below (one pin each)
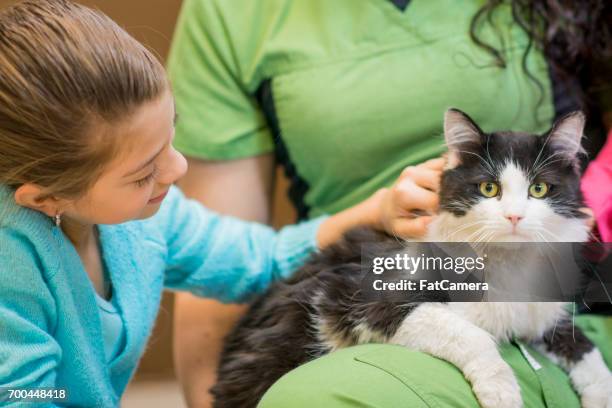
(411, 227)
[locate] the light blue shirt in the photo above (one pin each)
(112, 327)
(51, 331)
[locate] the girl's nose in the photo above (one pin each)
(176, 168)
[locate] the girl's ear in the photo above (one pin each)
(29, 195)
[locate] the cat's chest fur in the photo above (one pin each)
(506, 320)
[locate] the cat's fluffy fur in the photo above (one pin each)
(322, 307)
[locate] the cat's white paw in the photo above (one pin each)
(497, 389)
(598, 395)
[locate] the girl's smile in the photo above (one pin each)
(159, 198)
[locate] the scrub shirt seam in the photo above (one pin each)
(540, 375)
(284, 68)
(418, 391)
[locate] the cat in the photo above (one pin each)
(496, 187)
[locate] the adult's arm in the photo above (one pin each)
(241, 188)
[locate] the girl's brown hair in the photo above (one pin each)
(66, 71)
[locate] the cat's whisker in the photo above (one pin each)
(490, 238)
(555, 328)
(555, 237)
(463, 228)
(397, 238)
(540, 236)
(479, 245)
(473, 238)
(487, 150)
(573, 321)
(536, 166)
(478, 235)
(603, 285)
(482, 238)
(476, 239)
(549, 160)
(541, 150)
(594, 237)
(586, 305)
(487, 238)
(545, 165)
(543, 239)
(488, 166)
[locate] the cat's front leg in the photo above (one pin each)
(569, 347)
(434, 329)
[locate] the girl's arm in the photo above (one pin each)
(232, 260)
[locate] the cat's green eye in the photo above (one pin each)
(488, 189)
(538, 190)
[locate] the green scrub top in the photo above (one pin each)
(347, 92)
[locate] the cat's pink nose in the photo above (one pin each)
(514, 219)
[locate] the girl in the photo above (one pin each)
(91, 229)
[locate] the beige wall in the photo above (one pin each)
(152, 23)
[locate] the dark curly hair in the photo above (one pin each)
(574, 35)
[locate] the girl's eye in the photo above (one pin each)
(488, 189)
(538, 190)
(146, 180)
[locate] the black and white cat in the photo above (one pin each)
(498, 187)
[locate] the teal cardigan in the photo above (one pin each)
(50, 331)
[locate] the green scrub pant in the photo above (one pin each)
(378, 375)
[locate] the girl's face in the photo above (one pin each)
(134, 184)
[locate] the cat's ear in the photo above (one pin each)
(462, 135)
(566, 135)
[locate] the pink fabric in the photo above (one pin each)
(597, 189)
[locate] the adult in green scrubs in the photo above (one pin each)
(345, 94)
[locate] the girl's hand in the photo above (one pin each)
(397, 210)
(407, 207)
